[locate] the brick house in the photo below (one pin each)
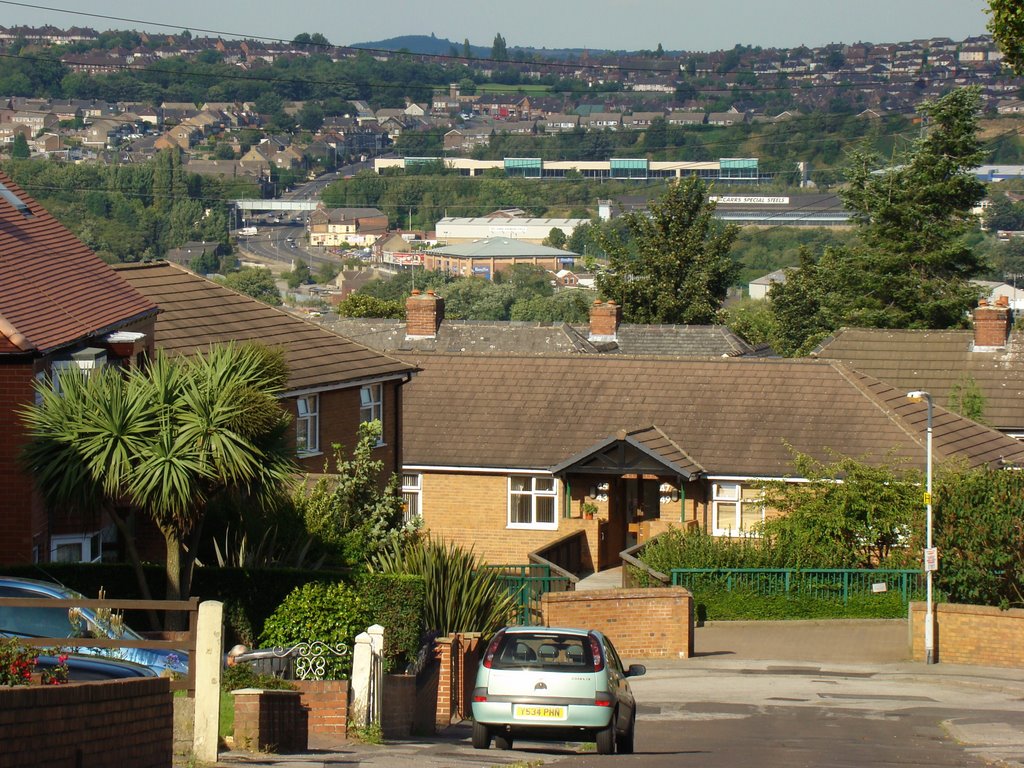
(333, 227)
(334, 384)
(61, 308)
(504, 450)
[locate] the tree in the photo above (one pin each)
(499, 51)
(362, 305)
(168, 440)
(300, 275)
(20, 150)
(255, 282)
(1007, 27)
(860, 522)
(311, 116)
(676, 267)
(354, 512)
(967, 399)
(556, 238)
(913, 265)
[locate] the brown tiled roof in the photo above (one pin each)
(54, 291)
(730, 416)
(936, 361)
(196, 312)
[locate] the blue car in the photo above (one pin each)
(16, 621)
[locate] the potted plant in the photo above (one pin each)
(589, 510)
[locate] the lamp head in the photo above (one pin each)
(918, 395)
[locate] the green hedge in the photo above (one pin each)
(717, 604)
(398, 602)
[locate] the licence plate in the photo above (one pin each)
(534, 712)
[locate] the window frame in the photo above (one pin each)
(737, 499)
(534, 495)
(311, 420)
(413, 492)
(87, 541)
(373, 408)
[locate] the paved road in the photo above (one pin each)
(726, 708)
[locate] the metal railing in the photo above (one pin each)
(527, 584)
(832, 584)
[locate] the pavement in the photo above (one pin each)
(853, 665)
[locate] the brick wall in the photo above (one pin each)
(458, 657)
(113, 723)
(326, 705)
(971, 634)
(16, 518)
(642, 623)
(471, 510)
(269, 721)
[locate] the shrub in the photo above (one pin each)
(245, 676)
(398, 603)
(329, 613)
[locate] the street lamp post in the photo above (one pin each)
(930, 558)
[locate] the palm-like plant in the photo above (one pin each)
(461, 595)
(166, 439)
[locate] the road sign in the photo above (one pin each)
(931, 559)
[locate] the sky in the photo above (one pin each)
(692, 25)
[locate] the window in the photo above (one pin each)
(78, 548)
(307, 425)
(735, 509)
(84, 363)
(411, 489)
(531, 502)
(371, 403)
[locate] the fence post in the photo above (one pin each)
(207, 665)
(366, 673)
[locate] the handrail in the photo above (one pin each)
(628, 557)
(558, 545)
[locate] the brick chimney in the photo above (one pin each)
(992, 324)
(604, 320)
(423, 315)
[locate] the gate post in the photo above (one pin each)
(207, 665)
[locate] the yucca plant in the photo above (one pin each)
(461, 595)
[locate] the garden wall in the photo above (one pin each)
(112, 723)
(971, 634)
(642, 623)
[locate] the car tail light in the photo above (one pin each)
(479, 694)
(492, 648)
(603, 699)
(595, 651)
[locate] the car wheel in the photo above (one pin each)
(503, 741)
(605, 738)
(481, 736)
(624, 741)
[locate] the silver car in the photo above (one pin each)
(554, 684)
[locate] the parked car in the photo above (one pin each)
(554, 684)
(56, 622)
(83, 669)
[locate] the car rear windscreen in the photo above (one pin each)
(552, 651)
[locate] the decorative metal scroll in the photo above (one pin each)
(311, 658)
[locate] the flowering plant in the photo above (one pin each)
(17, 663)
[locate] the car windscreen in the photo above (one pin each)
(551, 651)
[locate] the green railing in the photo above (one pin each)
(826, 584)
(526, 583)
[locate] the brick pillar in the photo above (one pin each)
(423, 314)
(443, 653)
(604, 320)
(992, 324)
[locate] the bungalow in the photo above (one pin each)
(485, 258)
(989, 357)
(61, 308)
(503, 452)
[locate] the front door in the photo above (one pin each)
(642, 501)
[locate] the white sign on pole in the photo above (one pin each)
(931, 559)
(879, 586)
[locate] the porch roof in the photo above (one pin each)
(646, 451)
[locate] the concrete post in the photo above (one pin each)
(207, 664)
(362, 664)
(376, 633)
